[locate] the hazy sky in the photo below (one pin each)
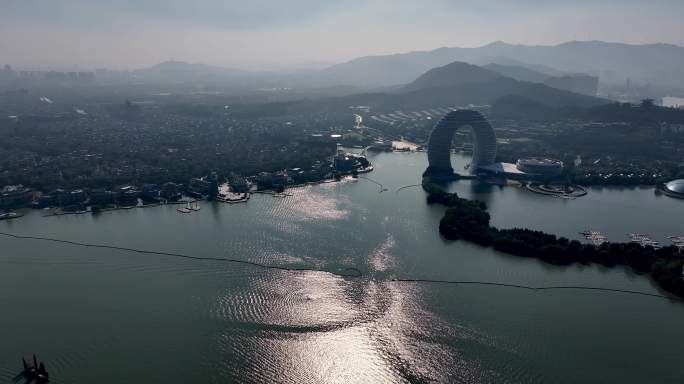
(86, 34)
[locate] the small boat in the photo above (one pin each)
(9, 215)
(35, 373)
(595, 237)
(644, 240)
(185, 209)
(195, 206)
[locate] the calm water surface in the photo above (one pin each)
(106, 316)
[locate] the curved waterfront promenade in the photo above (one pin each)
(560, 191)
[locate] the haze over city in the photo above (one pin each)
(88, 34)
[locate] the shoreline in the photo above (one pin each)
(56, 211)
(60, 212)
(469, 220)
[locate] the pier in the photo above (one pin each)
(190, 206)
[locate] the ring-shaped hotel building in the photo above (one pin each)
(439, 144)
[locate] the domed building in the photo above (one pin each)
(543, 167)
(675, 188)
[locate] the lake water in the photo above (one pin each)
(106, 316)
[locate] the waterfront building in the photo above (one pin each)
(238, 184)
(313, 174)
(61, 197)
(505, 170)
(349, 162)
(46, 200)
(267, 180)
(149, 191)
(343, 163)
(199, 187)
(524, 169)
(15, 196)
(540, 167)
(674, 188)
(296, 175)
(381, 145)
(170, 191)
(129, 197)
(78, 196)
(441, 138)
(102, 196)
(64, 198)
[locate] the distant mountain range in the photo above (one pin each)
(455, 84)
(518, 72)
(613, 63)
(574, 66)
(180, 72)
(578, 83)
(462, 83)
(452, 75)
